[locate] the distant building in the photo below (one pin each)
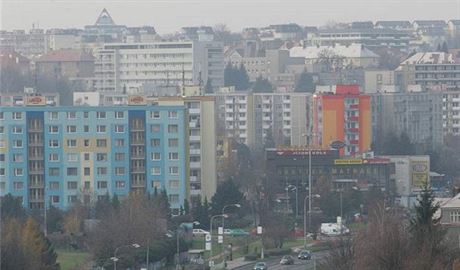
(104, 29)
(140, 67)
(395, 25)
(417, 114)
(59, 39)
(424, 24)
(282, 32)
(450, 218)
(203, 33)
(68, 63)
(55, 156)
(430, 70)
(451, 112)
(10, 59)
(31, 44)
(342, 116)
(29, 99)
(380, 81)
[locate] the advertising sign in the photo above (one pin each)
(301, 152)
(137, 100)
(36, 101)
(348, 161)
(419, 172)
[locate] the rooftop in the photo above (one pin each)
(66, 55)
(429, 58)
(452, 203)
(314, 52)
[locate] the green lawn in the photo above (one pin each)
(71, 260)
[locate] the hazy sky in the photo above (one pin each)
(169, 15)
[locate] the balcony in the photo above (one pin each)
(195, 151)
(138, 170)
(194, 111)
(35, 129)
(138, 142)
(353, 118)
(195, 138)
(195, 165)
(36, 171)
(137, 156)
(36, 157)
(353, 130)
(195, 192)
(36, 143)
(195, 179)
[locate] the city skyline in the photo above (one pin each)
(24, 14)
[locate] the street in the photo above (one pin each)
(273, 263)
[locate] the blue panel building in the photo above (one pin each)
(58, 155)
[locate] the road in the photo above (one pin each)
(273, 263)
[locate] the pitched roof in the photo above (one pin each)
(11, 57)
(104, 18)
(351, 51)
(429, 58)
(452, 203)
(66, 55)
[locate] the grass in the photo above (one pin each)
(70, 260)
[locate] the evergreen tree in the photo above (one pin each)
(226, 193)
(262, 86)
(229, 75)
(116, 202)
(305, 83)
(205, 215)
(186, 207)
(12, 207)
(438, 49)
(103, 206)
(243, 79)
(208, 87)
(444, 47)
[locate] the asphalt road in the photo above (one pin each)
(274, 263)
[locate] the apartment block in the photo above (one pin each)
(342, 116)
(140, 67)
(58, 155)
(451, 113)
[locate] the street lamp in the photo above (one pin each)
(115, 259)
(309, 217)
(237, 205)
(290, 188)
(210, 229)
(177, 243)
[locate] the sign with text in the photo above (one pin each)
(301, 152)
(419, 173)
(137, 100)
(348, 161)
(36, 101)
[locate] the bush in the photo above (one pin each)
(251, 257)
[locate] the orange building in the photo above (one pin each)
(342, 116)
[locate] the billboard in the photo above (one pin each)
(352, 161)
(302, 152)
(35, 101)
(420, 171)
(137, 100)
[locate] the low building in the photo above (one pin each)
(450, 218)
(67, 63)
(380, 81)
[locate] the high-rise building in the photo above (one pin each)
(58, 155)
(342, 116)
(141, 67)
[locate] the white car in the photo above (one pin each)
(199, 232)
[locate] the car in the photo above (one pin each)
(260, 266)
(199, 232)
(287, 260)
(304, 255)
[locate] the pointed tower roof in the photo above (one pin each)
(104, 18)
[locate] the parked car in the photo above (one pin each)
(304, 255)
(287, 260)
(199, 232)
(260, 266)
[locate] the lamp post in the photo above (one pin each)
(237, 205)
(115, 258)
(304, 217)
(210, 229)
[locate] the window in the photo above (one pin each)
(101, 156)
(18, 185)
(173, 128)
(155, 128)
(155, 142)
(119, 142)
(85, 128)
(54, 185)
(18, 172)
(71, 129)
(1, 115)
(53, 171)
(172, 114)
(54, 199)
(2, 157)
(17, 144)
(87, 185)
(2, 171)
(101, 170)
(101, 115)
(119, 156)
(16, 130)
(54, 157)
(86, 115)
(101, 128)
(173, 183)
(72, 185)
(174, 198)
(2, 129)
(54, 143)
(86, 171)
(156, 184)
(119, 128)
(53, 115)
(156, 171)
(86, 143)
(72, 157)
(119, 115)
(101, 143)
(53, 129)
(101, 184)
(155, 115)
(72, 171)
(72, 143)
(156, 156)
(174, 170)
(173, 142)
(119, 170)
(17, 115)
(86, 156)
(16, 158)
(455, 216)
(120, 184)
(71, 115)
(173, 156)
(71, 198)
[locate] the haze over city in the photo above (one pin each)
(170, 15)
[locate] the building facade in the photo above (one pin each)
(58, 155)
(143, 66)
(451, 113)
(342, 116)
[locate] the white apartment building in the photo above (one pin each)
(140, 67)
(451, 112)
(259, 118)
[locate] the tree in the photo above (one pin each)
(342, 255)
(277, 228)
(55, 218)
(186, 207)
(12, 255)
(305, 83)
(262, 85)
(236, 76)
(103, 206)
(115, 202)
(243, 78)
(12, 207)
(444, 47)
(208, 88)
(226, 193)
